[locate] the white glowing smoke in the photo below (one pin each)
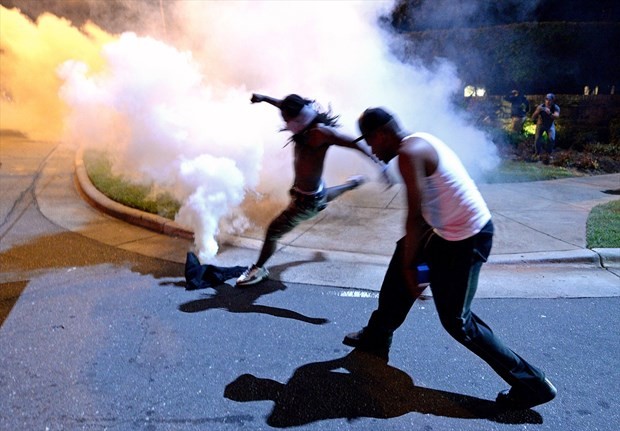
(185, 122)
(335, 52)
(154, 112)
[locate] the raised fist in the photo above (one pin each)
(257, 98)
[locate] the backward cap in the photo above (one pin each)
(373, 118)
(550, 96)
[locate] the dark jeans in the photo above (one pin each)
(454, 269)
(300, 208)
(539, 143)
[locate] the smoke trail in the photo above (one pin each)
(178, 113)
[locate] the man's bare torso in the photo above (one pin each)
(309, 161)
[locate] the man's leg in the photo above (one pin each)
(454, 281)
(352, 183)
(551, 139)
(280, 226)
(538, 140)
(395, 301)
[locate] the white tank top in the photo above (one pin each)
(451, 202)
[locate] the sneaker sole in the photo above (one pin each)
(251, 282)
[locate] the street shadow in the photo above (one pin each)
(360, 385)
(202, 276)
(277, 270)
(242, 300)
(239, 299)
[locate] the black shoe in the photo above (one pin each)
(520, 399)
(369, 342)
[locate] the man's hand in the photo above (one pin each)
(385, 176)
(257, 98)
(415, 289)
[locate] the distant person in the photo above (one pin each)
(545, 115)
(449, 227)
(519, 107)
(314, 131)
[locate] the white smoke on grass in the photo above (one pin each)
(154, 112)
(177, 113)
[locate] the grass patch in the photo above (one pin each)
(119, 189)
(512, 171)
(603, 226)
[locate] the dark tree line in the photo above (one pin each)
(422, 15)
(537, 46)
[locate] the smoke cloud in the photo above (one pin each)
(174, 108)
(30, 55)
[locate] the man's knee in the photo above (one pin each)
(276, 231)
(457, 329)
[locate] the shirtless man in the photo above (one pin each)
(449, 227)
(313, 133)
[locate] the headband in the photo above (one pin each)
(302, 120)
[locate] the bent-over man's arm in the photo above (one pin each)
(326, 135)
(411, 163)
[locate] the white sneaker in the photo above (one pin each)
(356, 180)
(254, 274)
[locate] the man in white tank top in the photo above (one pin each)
(449, 228)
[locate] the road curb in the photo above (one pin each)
(134, 216)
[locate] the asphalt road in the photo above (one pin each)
(98, 337)
(101, 338)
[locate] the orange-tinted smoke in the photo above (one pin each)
(30, 53)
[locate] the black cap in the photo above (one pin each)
(371, 119)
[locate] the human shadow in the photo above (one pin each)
(201, 276)
(236, 299)
(361, 385)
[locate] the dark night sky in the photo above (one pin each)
(121, 15)
(117, 16)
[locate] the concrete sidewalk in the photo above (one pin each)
(539, 241)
